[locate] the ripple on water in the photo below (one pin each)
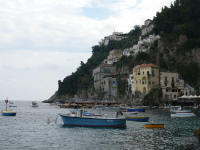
(29, 131)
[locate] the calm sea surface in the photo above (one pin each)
(29, 130)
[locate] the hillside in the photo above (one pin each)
(178, 50)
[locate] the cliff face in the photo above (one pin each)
(175, 57)
(177, 50)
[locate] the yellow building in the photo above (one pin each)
(146, 77)
(172, 86)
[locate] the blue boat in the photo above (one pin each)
(90, 114)
(8, 113)
(136, 110)
(93, 122)
(137, 118)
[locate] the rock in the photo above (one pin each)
(197, 134)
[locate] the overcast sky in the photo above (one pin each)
(42, 41)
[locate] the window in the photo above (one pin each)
(152, 72)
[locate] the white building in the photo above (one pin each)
(116, 36)
(188, 90)
(142, 46)
(131, 83)
(147, 27)
(113, 56)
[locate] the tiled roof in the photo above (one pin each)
(145, 65)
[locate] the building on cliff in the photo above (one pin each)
(109, 87)
(188, 90)
(171, 85)
(146, 78)
(104, 84)
(114, 56)
(147, 27)
(116, 36)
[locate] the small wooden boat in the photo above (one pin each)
(8, 112)
(136, 110)
(82, 121)
(152, 126)
(137, 118)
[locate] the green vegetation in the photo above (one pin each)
(121, 86)
(82, 78)
(178, 27)
(182, 18)
(152, 98)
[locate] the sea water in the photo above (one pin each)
(40, 129)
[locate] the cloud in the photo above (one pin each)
(42, 41)
(63, 25)
(24, 73)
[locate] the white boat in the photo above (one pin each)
(182, 114)
(35, 104)
(179, 112)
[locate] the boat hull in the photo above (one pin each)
(8, 113)
(136, 110)
(182, 114)
(93, 122)
(140, 119)
(152, 126)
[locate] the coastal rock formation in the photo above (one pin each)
(197, 134)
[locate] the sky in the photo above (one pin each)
(43, 41)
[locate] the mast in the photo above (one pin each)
(6, 101)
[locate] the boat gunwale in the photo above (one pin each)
(105, 126)
(92, 117)
(137, 117)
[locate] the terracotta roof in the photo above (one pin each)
(145, 65)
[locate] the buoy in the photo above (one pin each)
(197, 134)
(48, 121)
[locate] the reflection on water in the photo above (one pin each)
(30, 130)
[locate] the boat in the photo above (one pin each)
(179, 112)
(136, 110)
(85, 113)
(137, 118)
(152, 126)
(8, 112)
(198, 112)
(83, 121)
(35, 104)
(182, 114)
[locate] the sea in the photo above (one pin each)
(41, 128)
